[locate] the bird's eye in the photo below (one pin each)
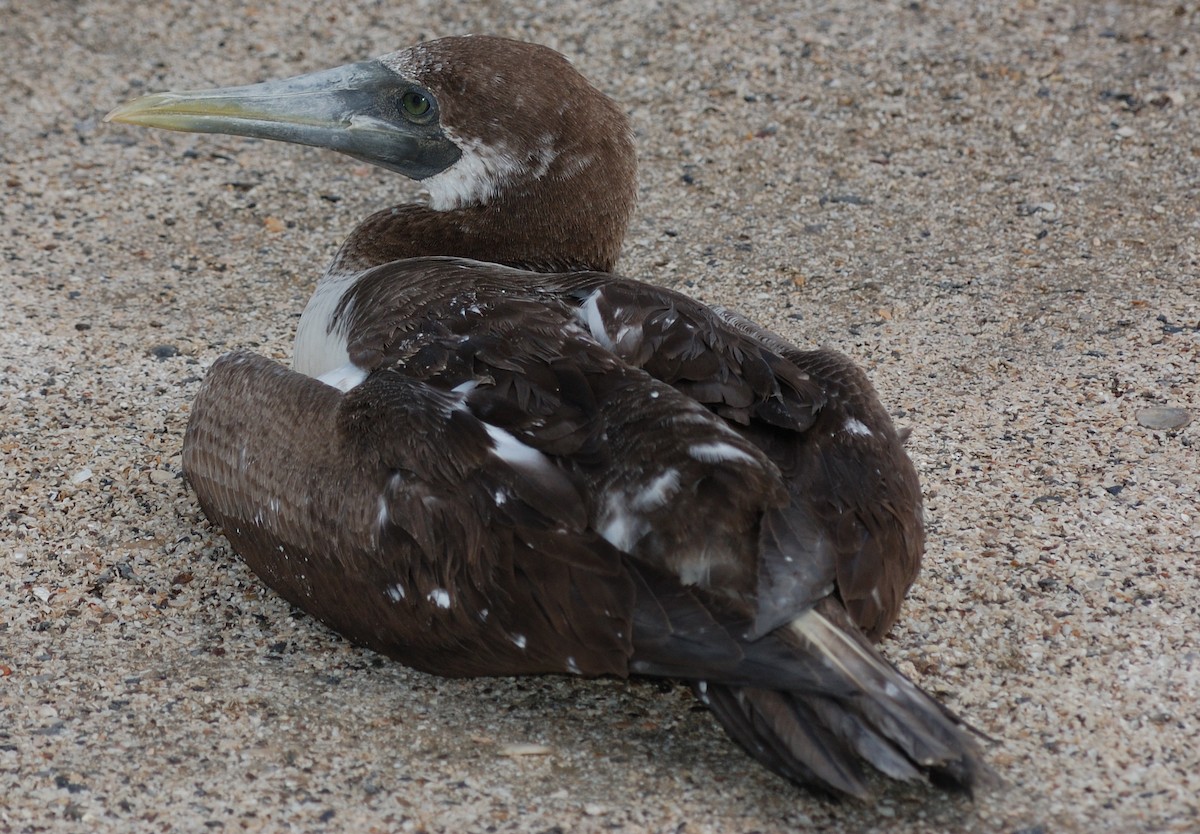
(416, 103)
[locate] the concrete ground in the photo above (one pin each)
(994, 206)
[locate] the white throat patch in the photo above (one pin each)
(483, 171)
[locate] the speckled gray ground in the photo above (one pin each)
(993, 206)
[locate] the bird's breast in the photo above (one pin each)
(320, 350)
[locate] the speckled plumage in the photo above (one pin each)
(538, 466)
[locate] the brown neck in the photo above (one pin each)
(572, 218)
(483, 233)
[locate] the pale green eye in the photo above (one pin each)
(416, 103)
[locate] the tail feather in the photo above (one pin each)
(776, 731)
(734, 717)
(820, 739)
(892, 702)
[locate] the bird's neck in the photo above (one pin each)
(538, 237)
(527, 234)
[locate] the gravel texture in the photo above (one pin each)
(993, 206)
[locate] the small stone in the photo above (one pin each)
(1164, 418)
(81, 476)
(161, 476)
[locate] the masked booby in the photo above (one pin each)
(493, 456)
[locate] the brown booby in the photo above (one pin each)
(494, 456)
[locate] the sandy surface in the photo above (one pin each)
(993, 206)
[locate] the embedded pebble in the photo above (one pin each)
(1164, 418)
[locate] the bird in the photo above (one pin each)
(494, 455)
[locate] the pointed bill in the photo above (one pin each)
(356, 109)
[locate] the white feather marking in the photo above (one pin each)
(546, 154)
(719, 452)
(518, 640)
(381, 511)
(837, 648)
(440, 597)
(589, 315)
(343, 377)
(572, 666)
(483, 615)
(618, 524)
(619, 532)
(320, 346)
(395, 592)
(696, 570)
(483, 171)
(856, 427)
(513, 451)
(658, 492)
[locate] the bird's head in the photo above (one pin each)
(492, 127)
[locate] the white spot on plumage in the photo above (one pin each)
(513, 451)
(518, 640)
(381, 511)
(658, 492)
(440, 597)
(546, 154)
(856, 427)
(483, 615)
(576, 164)
(719, 452)
(696, 570)
(483, 171)
(618, 524)
(589, 314)
(572, 666)
(395, 592)
(622, 523)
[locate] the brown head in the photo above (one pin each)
(526, 163)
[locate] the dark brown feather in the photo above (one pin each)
(561, 470)
(314, 532)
